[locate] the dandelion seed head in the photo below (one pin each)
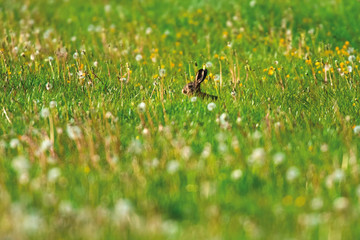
(45, 113)
(73, 132)
(53, 104)
(278, 158)
(142, 107)
(138, 57)
(53, 174)
(162, 72)
(14, 143)
(211, 106)
(209, 64)
(341, 203)
(172, 166)
(292, 173)
(236, 174)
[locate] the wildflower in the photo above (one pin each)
(73, 38)
(216, 77)
(14, 143)
(50, 59)
(48, 86)
(271, 71)
(53, 174)
(45, 145)
(278, 158)
(95, 64)
(135, 147)
(32, 223)
(316, 203)
(236, 174)
(107, 8)
(193, 99)
(91, 28)
(186, 152)
(257, 157)
(81, 75)
(338, 175)
(45, 113)
(74, 132)
(292, 173)
(148, 31)
(211, 106)
(169, 227)
(351, 58)
(357, 129)
(20, 164)
(341, 203)
(32, 57)
(209, 64)
(138, 57)
(123, 209)
(349, 69)
(224, 120)
(252, 3)
(162, 72)
(141, 107)
(76, 55)
(233, 93)
(172, 166)
(53, 104)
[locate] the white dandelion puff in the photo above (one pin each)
(138, 57)
(211, 106)
(172, 166)
(45, 113)
(141, 107)
(236, 174)
(292, 173)
(53, 174)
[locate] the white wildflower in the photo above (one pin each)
(292, 173)
(172, 166)
(14, 143)
(48, 86)
(148, 31)
(45, 145)
(20, 164)
(123, 209)
(76, 55)
(211, 106)
(357, 129)
(257, 157)
(138, 57)
(316, 203)
(141, 107)
(340, 203)
(193, 99)
(252, 3)
(162, 72)
(45, 113)
(53, 104)
(236, 174)
(278, 158)
(74, 132)
(209, 64)
(53, 174)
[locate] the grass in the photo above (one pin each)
(98, 142)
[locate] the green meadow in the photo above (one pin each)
(97, 140)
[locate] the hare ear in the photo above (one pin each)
(200, 76)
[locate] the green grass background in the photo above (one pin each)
(108, 184)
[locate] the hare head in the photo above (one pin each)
(194, 87)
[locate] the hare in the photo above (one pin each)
(193, 88)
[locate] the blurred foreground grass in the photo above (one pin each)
(97, 141)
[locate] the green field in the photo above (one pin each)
(97, 140)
